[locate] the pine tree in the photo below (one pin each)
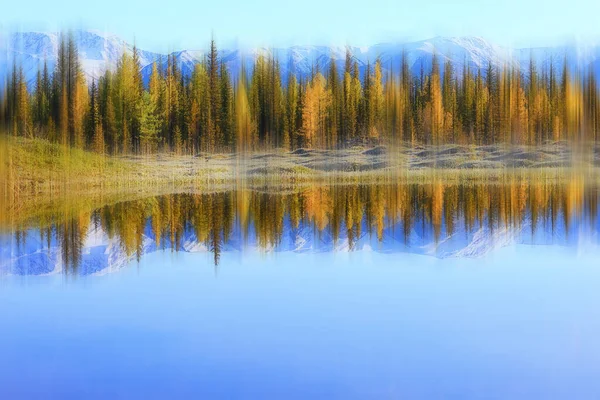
(137, 88)
(449, 102)
(95, 121)
(200, 107)
(80, 107)
(317, 101)
(291, 112)
(107, 110)
(244, 125)
(376, 101)
(347, 122)
(226, 113)
(214, 94)
(24, 113)
(434, 111)
(335, 111)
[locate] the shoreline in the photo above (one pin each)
(37, 166)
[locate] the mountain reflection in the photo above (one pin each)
(437, 218)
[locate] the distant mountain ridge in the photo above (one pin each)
(100, 51)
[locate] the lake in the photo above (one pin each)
(424, 290)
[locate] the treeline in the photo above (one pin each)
(212, 111)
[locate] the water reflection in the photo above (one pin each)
(437, 218)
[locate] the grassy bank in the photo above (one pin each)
(37, 163)
(34, 166)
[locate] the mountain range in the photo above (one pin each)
(99, 51)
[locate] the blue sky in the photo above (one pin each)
(176, 24)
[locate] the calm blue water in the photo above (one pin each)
(521, 322)
(343, 292)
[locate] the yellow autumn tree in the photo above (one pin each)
(244, 124)
(376, 101)
(434, 110)
(315, 104)
(80, 106)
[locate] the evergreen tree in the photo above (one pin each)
(215, 138)
(226, 114)
(95, 121)
(244, 125)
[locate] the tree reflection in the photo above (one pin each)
(344, 213)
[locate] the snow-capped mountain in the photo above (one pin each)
(99, 51)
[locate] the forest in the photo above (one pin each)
(212, 111)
